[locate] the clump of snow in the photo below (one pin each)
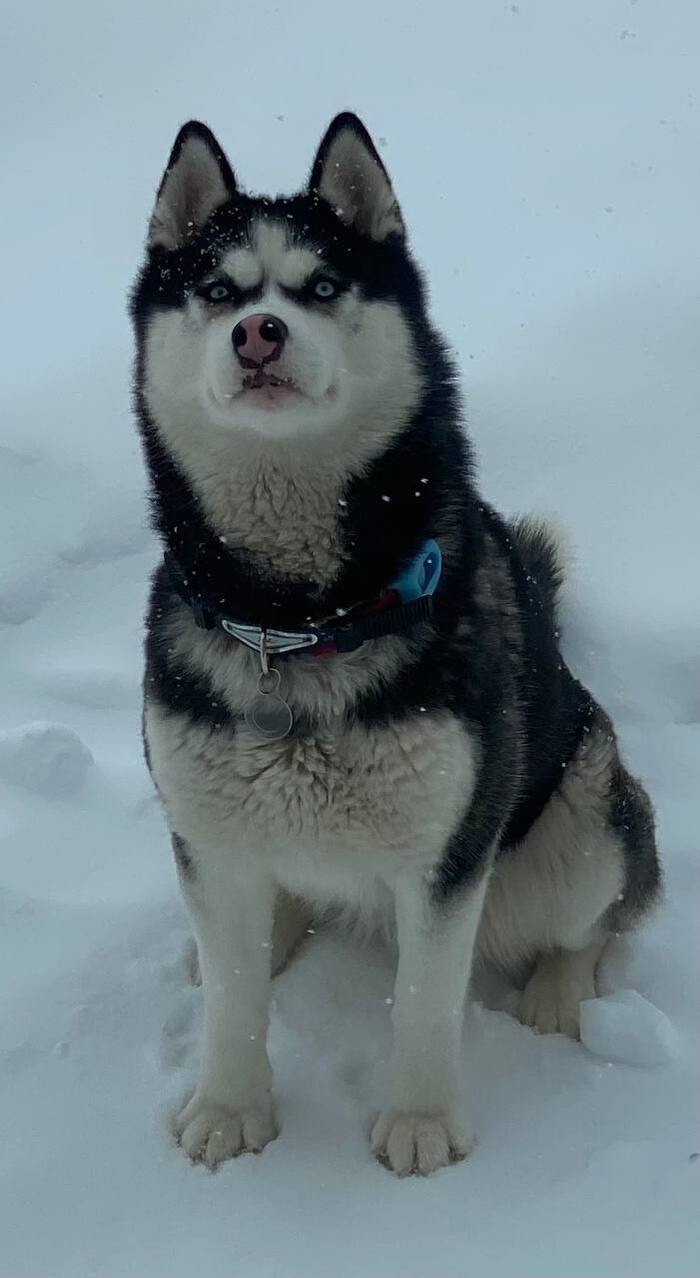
(626, 1027)
(48, 758)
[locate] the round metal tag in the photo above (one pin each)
(270, 717)
(268, 714)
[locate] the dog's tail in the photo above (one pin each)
(546, 552)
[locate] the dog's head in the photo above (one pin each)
(284, 317)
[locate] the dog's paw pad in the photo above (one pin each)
(414, 1143)
(210, 1133)
(550, 1008)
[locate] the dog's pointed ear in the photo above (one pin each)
(197, 180)
(349, 175)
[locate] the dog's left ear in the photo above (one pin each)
(197, 180)
(349, 174)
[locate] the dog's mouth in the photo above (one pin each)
(269, 388)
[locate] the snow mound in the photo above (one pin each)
(47, 758)
(626, 1027)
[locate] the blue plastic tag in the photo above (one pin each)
(422, 576)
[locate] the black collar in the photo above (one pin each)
(344, 632)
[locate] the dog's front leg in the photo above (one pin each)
(422, 1129)
(231, 905)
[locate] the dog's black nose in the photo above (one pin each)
(258, 339)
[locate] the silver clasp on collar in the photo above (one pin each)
(273, 641)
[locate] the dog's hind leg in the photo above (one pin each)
(586, 870)
(562, 979)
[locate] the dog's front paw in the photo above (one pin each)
(210, 1132)
(415, 1142)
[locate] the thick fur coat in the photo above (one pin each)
(455, 782)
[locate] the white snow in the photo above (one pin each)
(546, 158)
(628, 1028)
(48, 758)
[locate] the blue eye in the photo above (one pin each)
(325, 289)
(216, 292)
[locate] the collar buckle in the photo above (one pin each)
(275, 641)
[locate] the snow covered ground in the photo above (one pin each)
(546, 155)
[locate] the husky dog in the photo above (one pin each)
(354, 695)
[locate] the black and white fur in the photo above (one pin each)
(458, 782)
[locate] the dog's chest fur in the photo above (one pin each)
(284, 512)
(332, 811)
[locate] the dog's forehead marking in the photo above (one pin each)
(272, 256)
(244, 267)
